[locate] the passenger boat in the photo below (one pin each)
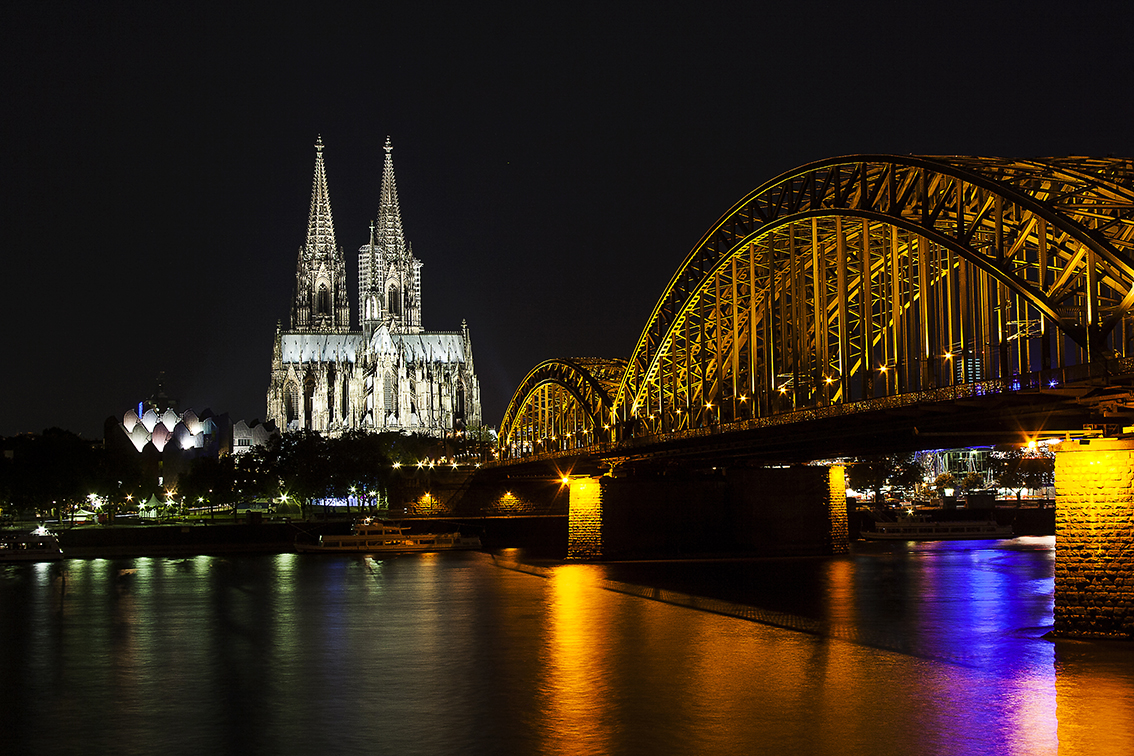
(374, 537)
(921, 528)
(40, 545)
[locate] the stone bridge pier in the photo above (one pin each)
(786, 511)
(1094, 539)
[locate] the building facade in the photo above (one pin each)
(388, 375)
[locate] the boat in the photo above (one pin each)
(921, 528)
(378, 537)
(40, 545)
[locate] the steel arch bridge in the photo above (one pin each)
(865, 278)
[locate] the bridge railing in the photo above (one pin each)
(1041, 381)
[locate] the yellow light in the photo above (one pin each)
(565, 480)
(397, 465)
(744, 398)
(948, 355)
(882, 369)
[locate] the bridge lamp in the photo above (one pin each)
(420, 464)
(948, 355)
(397, 465)
(744, 398)
(565, 480)
(881, 368)
(783, 389)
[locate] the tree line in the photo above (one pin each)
(905, 475)
(54, 472)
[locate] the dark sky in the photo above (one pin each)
(555, 162)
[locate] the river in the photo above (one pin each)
(894, 649)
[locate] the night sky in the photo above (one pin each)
(555, 162)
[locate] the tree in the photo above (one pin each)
(972, 481)
(943, 481)
(56, 471)
(208, 480)
(1025, 468)
(876, 473)
(359, 464)
(302, 464)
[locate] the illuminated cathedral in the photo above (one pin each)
(390, 374)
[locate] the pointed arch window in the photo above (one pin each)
(291, 403)
(394, 300)
(323, 300)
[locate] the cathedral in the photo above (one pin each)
(390, 374)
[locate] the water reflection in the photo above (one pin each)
(929, 649)
(575, 689)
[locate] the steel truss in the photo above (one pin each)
(871, 276)
(561, 405)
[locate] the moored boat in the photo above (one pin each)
(40, 545)
(921, 528)
(377, 537)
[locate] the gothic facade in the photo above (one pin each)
(390, 374)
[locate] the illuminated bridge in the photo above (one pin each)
(870, 303)
(870, 284)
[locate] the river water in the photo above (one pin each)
(893, 649)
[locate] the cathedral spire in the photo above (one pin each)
(391, 238)
(321, 302)
(320, 225)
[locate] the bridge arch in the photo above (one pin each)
(870, 276)
(562, 404)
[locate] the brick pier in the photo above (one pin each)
(1094, 539)
(793, 511)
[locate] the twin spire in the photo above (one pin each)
(320, 224)
(387, 230)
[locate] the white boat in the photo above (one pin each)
(921, 528)
(40, 545)
(376, 537)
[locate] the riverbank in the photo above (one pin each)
(542, 535)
